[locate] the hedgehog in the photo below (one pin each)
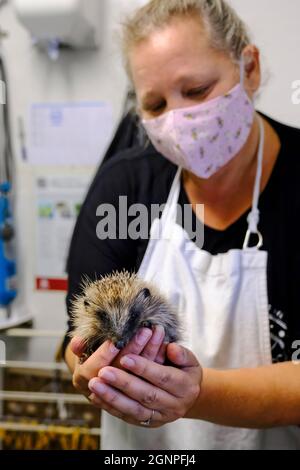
(115, 307)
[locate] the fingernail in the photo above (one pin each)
(143, 336)
(158, 335)
(97, 387)
(127, 361)
(108, 375)
(113, 349)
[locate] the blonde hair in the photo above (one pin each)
(227, 31)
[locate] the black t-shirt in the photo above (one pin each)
(144, 176)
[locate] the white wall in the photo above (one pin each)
(275, 25)
(99, 76)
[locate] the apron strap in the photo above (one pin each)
(254, 216)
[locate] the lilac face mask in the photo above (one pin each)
(205, 137)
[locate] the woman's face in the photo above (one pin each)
(176, 67)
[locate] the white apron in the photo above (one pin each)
(223, 303)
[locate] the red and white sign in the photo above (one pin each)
(51, 284)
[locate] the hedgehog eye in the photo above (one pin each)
(102, 315)
(134, 313)
(86, 303)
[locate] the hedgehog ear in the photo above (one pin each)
(86, 303)
(144, 294)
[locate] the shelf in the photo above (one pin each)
(39, 428)
(44, 397)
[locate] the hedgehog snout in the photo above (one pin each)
(121, 340)
(120, 344)
(123, 336)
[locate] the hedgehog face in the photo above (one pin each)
(132, 320)
(115, 307)
(119, 321)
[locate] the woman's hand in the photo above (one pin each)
(156, 393)
(149, 344)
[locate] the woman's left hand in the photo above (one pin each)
(156, 394)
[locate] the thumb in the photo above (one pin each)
(180, 356)
(77, 346)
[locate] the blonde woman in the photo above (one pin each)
(235, 385)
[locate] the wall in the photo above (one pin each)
(275, 26)
(99, 76)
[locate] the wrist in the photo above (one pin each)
(197, 411)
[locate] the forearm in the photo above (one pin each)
(250, 398)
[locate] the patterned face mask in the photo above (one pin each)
(204, 138)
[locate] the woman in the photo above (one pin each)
(196, 73)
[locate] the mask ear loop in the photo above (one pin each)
(242, 64)
(242, 71)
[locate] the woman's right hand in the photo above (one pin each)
(146, 343)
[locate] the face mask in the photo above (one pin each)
(204, 138)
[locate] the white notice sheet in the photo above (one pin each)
(69, 133)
